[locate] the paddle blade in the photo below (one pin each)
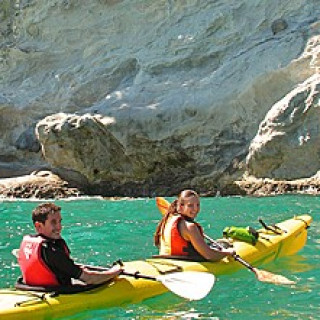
(266, 276)
(162, 205)
(188, 284)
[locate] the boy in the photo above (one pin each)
(44, 258)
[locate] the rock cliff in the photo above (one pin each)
(148, 97)
(287, 143)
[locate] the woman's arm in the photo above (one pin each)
(191, 232)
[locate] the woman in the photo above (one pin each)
(178, 234)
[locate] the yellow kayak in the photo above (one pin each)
(289, 237)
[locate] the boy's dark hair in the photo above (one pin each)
(41, 212)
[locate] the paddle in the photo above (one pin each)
(262, 275)
(191, 285)
(188, 284)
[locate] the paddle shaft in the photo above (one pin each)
(235, 256)
(137, 275)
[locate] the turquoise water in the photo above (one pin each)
(101, 231)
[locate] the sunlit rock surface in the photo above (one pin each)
(83, 144)
(287, 145)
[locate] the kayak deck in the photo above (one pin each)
(290, 237)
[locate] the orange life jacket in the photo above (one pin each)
(171, 241)
(35, 272)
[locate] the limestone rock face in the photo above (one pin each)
(186, 84)
(287, 144)
(83, 144)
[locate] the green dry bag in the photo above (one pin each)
(247, 234)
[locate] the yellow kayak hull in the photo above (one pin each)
(16, 304)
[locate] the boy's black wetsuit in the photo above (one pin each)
(55, 253)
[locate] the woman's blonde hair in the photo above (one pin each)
(172, 210)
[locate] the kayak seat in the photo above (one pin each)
(67, 289)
